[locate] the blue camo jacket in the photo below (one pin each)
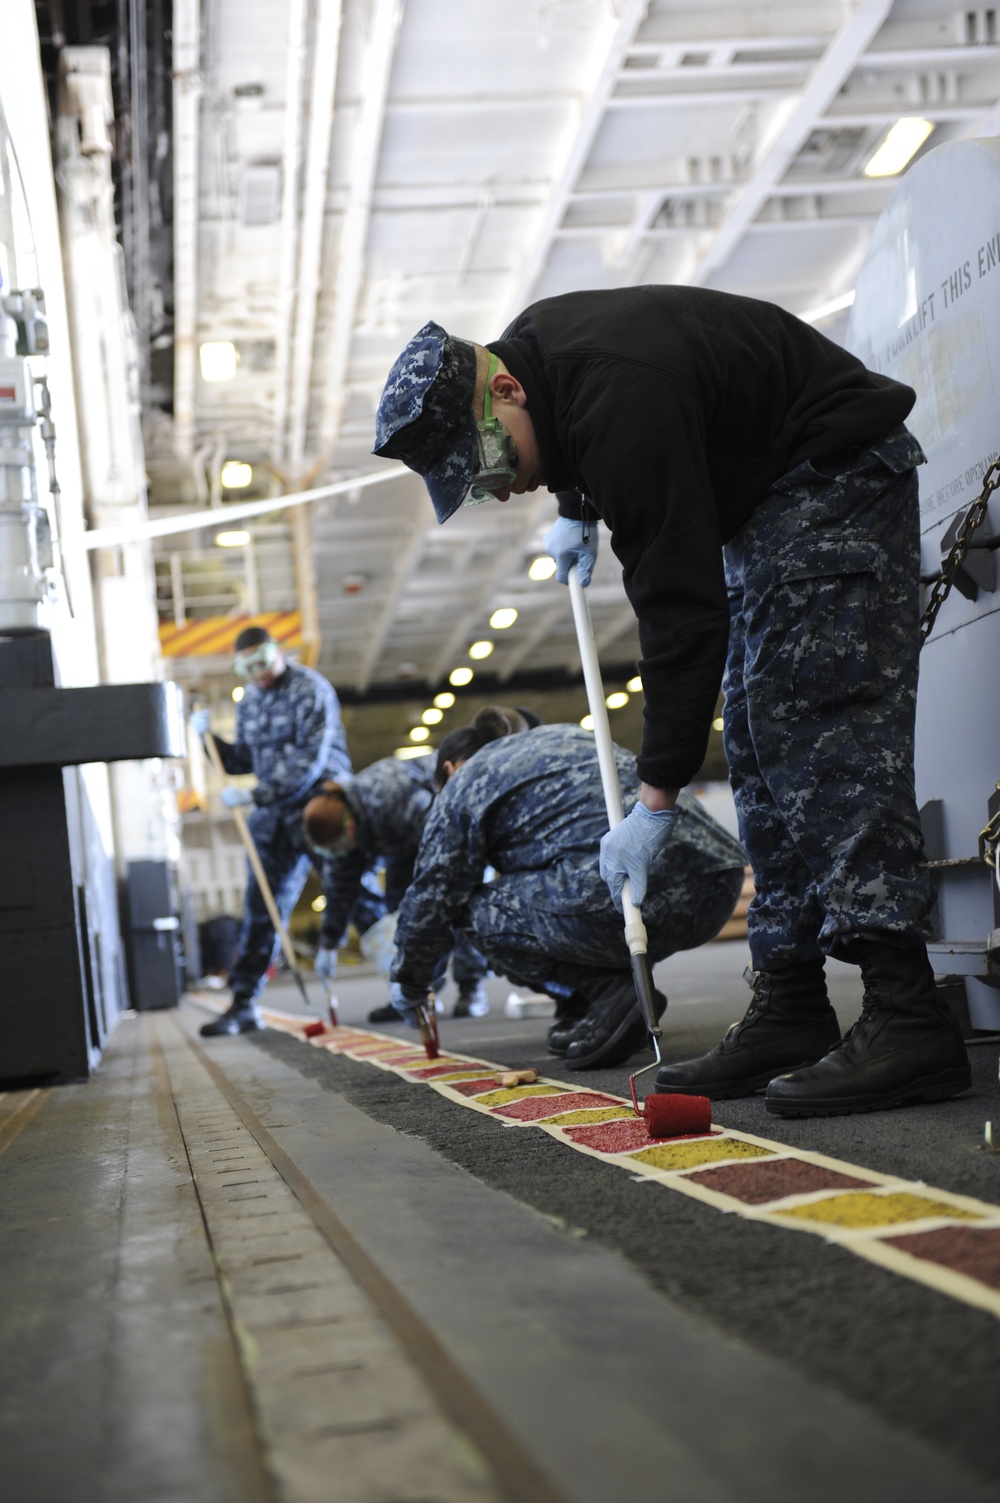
(534, 803)
(389, 801)
(290, 736)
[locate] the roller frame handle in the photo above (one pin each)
(635, 929)
(258, 870)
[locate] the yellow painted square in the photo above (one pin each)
(688, 1154)
(590, 1114)
(516, 1093)
(858, 1208)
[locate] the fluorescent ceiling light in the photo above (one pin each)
(617, 701)
(318, 904)
(903, 141)
(237, 694)
(542, 568)
(236, 475)
(634, 685)
(503, 618)
(460, 677)
(587, 722)
(419, 733)
(444, 701)
(480, 649)
(405, 753)
(718, 723)
(235, 539)
(828, 309)
(432, 717)
(218, 360)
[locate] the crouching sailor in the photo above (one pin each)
(531, 807)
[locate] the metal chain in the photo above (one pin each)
(973, 518)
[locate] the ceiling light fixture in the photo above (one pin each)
(444, 701)
(504, 617)
(235, 539)
(718, 723)
(218, 360)
(236, 475)
(587, 722)
(237, 694)
(318, 904)
(617, 701)
(634, 685)
(903, 142)
(460, 677)
(432, 717)
(542, 567)
(406, 753)
(419, 733)
(480, 649)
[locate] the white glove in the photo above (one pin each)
(406, 1000)
(564, 542)
(235, 798)
(628, 850)
(201, 721)
(325, 963)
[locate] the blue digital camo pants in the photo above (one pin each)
(286, 861)
(522, 935)
(820, 696)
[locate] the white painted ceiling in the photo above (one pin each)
(346, 169)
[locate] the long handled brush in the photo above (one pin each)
(666, 1116)
(257, 868)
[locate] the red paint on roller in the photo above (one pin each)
(677, 1116)
(532, 1108)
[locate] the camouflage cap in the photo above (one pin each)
(425, 415)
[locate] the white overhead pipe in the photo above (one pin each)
(326, 52)
(186, 107)
(193, 521)
(288, 252)
(379, 57)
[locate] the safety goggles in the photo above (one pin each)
(259, 659)
(497, 453)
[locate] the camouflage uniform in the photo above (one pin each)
(291, 737)
(390, 801)
(532, 808)
(820, 695)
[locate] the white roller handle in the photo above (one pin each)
(635, 929)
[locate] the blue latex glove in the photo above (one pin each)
(564, 542)
(235, 798)
(406, 1000)
(201, 721)
(628, 850)
(325, 963)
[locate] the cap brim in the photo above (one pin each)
(449, 480)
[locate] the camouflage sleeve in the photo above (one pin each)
(341, 882)
(450, 865)
(304, 759)
(235, 756)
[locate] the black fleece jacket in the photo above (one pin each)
(674, 409)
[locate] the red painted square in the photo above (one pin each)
(531, 1108)
(456, 1067)
(963, 1249)
(613, 1137)
(755, 1184)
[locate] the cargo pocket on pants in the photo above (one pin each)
(821, 655)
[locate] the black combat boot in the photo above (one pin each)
(614, 1027)
(571, 1009)
(788, 1024)
(240, 1017)
(905, 1047)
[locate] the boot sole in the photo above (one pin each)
(916, 1094)
(611, 1047)
(730, 1090)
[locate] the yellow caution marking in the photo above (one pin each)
(516, 1093)
(860, 1208)
(595, 1114)
(689, 1154)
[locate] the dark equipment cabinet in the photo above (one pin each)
(150, 910)
(62, 982)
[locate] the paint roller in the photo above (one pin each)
(667, 1116)
(258, 870)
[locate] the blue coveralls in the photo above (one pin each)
(291, 737)
(390, 800)
(532, 808)
(820, 696)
